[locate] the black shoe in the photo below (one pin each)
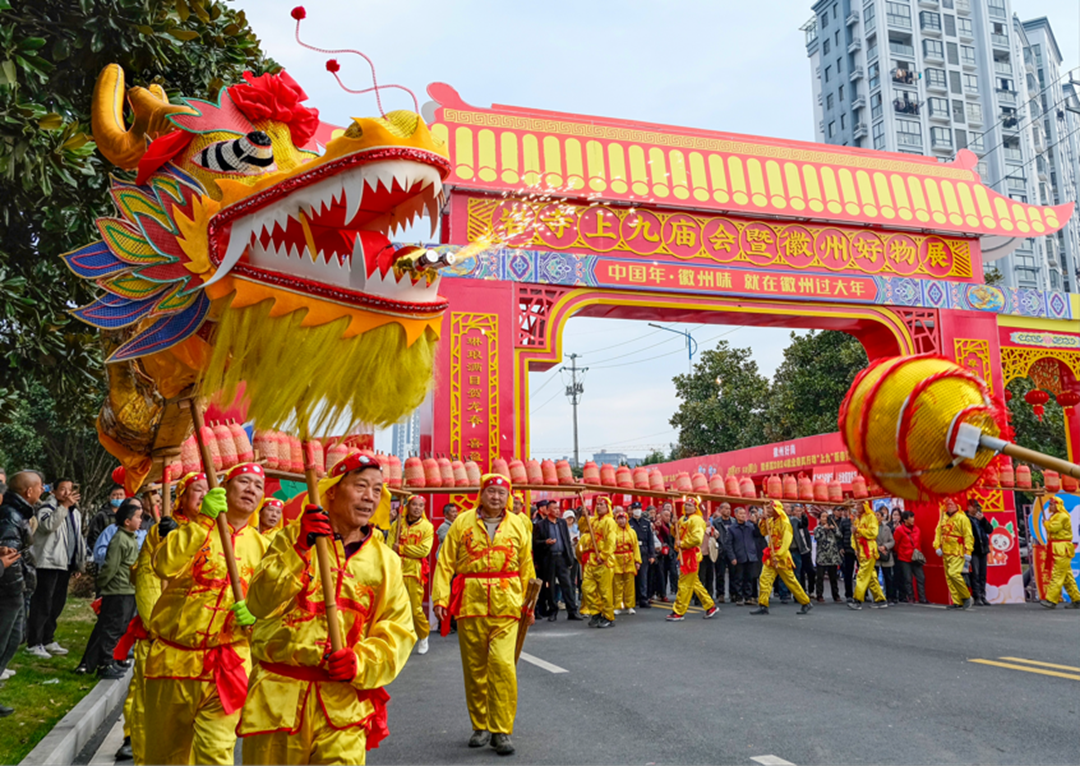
(111, 672)
(502, 744)
(124, 753)
(761, 610)
(805, 608)
(1070, 605)
(479, 738)
(953, 606)
(6, 711)
(594, 621)
(1048, 603)
(81, 669)
(554, 616)
(574, 616)
(605, 623)
(711, 613)
(923, 601)
(853, 605)
(984, 602)
(125, 664)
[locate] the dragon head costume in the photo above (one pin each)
(251, 254)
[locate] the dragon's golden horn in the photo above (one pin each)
(151, 108)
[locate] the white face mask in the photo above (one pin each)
(637, 513)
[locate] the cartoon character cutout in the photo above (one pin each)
(1002, 540)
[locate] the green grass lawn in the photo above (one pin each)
(40, 705)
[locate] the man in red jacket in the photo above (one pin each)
(908, 541)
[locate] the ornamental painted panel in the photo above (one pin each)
(474, 387)
(974, 354)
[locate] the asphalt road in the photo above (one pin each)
(894, 686)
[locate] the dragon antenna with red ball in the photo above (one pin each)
(332, 66)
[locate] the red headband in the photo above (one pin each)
(242, 468)
(495, 480)
(186, 482)
(354, 462)
(274, 502)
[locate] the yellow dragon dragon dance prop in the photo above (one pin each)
(252, 247)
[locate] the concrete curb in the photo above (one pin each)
(73, 731)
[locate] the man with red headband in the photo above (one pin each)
(484, 567)
(776, 560)
(1061, 549)
(691, 536)
(307, 703)
(412, 536)
(953, 542)
(196, 671)
(190, 491)
(864, 541)
(270, 518)
(627, 563)
(597, 546)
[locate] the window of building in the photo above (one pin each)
(1005, 84)
(843, 121)
(840, 94)
(941, 137)
(971, 83)
(834, 10)
(871, 49)
(874, 73)
(828, 73)
(954, 82)
(903, 72)
(935, 78)
(829, 101)
(975, 144)
(875, 106)
(950, 25)
(908, 133)
(967, 55)
(905, 104)
(997, 9)
(965, 27)
(879, 135)
(836, 38)
(898, 15)
(974, 112)
(961, 138)
(868, 15)
(939, 107)
(952, 53)
(1036, 51)
(947, 4)
(825, 46)
(930, 21)
(832, 129)
(958, 111)
(933, 49)
(824, 20)
(839, 67)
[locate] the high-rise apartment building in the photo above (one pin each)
(935, 76)
(405, 436)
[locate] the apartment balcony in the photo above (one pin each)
(861, 130)
(965, 35)
(899, 22)
(963, 6)
(1003, 67)
(998, 13)
(855, 45)
(941, 144)
(857, 74)
(969, 65)
(1001, 41)
(1012, 153)
(931, 56)
(940, 115)
(930, 30)
(974, 119)
(900, 49)
(859, 102)
(852, 18)
(1006, 97)
(1017, 183)
(907, 108)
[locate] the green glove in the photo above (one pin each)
(213, 503)
(243, 616)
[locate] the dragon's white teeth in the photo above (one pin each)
(239, 239)
(433, 207)
(354, 195)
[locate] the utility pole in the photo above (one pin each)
(574, 392)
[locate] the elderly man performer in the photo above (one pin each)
(484, 567)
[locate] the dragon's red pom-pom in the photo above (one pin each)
(332, 65)
(299, 13)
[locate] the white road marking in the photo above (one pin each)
(771, 760)
(106, 752)
(542, 663)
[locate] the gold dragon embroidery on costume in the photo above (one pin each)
(251, 250)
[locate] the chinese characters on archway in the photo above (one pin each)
(474, 407)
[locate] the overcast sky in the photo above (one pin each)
(722, 65)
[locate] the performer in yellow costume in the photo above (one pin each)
(598, 562)
(197, 668)
(1061, 549)
(777, 561)
(412, 536)
(953, 541)
(484, 566)
(691, 535)
(189, 494)
(270, 518)
(522, 510)
(864, 541)
(627, 563)
(307, 704)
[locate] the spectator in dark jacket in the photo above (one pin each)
(848, 564)
(105, 515)
(908, 541)
(744, 542)
(720, 522)
(804, 563)
(642, 527)
(20, 578)
(980, 531)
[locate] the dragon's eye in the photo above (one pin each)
(247, 156)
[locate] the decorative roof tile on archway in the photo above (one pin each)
(506, 148)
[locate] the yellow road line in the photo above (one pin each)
(1043, 664)
(1010, 666)
(670, 607)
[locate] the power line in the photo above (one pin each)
(1048, 148)
(669, 353)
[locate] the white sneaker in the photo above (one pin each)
(39, 651)
(618, 611)
(55, 648)
(7, 674)
(631, 610)
(422, 646)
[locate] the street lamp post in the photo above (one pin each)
(691, 344)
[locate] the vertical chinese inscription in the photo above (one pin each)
(474, 387)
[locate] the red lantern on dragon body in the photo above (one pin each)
(1036, 397)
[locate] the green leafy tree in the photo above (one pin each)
(722, 403)
(53, 184)
(654, 457)
(1047, 436)
(810, 384)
